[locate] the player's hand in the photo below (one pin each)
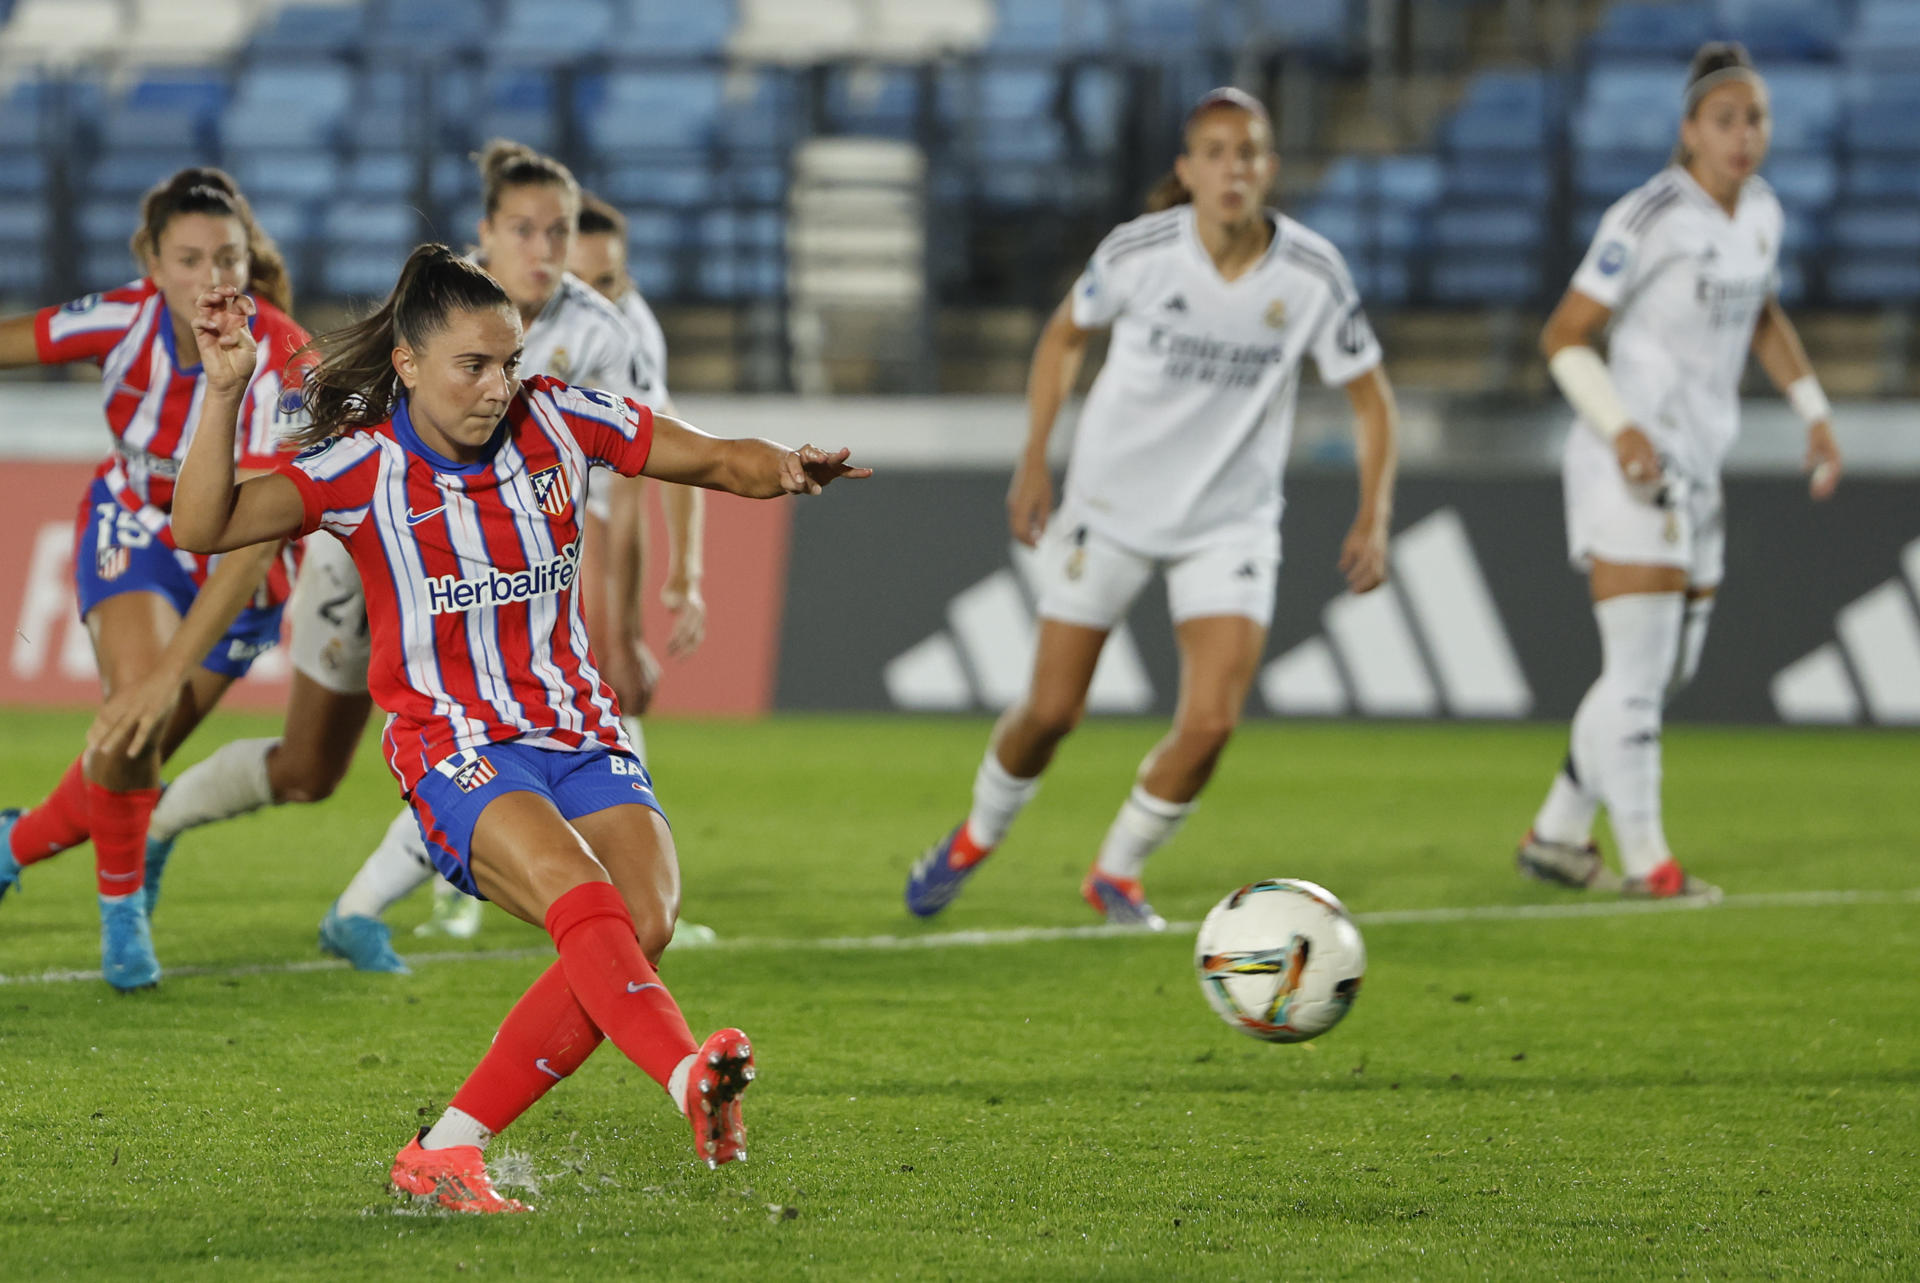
(1363, 556)
(134, 716)
(1823, 461)
(633, 672)
(809, 470)
(1029, 503)
(227, 349)
(689, 616)
(1639, 463)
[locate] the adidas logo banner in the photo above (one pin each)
(912, 598)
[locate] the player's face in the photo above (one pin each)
(1228, 165)
(460, 381)
(1728, 133)
(196, 253)
(525, 242)
(599, 259)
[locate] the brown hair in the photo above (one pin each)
(1707, 72)
(597, 218)
(505, 164)
(354, 385)
(1169, 191)
(201, 189)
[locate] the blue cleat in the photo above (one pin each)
(9, 867)
(934, 880)
(1120, 900)
(126, 943)
(158, 853)
(366, 943)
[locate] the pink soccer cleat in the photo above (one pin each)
(722, 1071)
(455, 1177)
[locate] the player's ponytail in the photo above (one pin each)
(202, 189)
(505, 164)
(1167, 193)
(354, 385)
(1714, 64)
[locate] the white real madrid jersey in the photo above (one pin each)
(1184, 436)
(1686, 284)
(582, 339)
(653, 345)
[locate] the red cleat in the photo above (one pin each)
(455, 1177)
(1668, 881)
(720, 1074)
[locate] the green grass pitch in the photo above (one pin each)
(1722, 1093)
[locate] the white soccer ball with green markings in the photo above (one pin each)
(1280, 960)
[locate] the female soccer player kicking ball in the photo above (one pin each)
(1215, 302)
(1685, 270)
(456, 489)
(170, 630)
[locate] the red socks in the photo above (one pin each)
(965, 852)
(56, 824)
(120, 836)
(615, 983)
(545, 1038)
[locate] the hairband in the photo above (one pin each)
(1714, 79)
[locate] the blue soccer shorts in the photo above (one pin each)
(448, 799)
(113, 554)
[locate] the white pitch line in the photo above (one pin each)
(1029, 935)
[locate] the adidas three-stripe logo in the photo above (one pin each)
(1429, 642)
(1875, 661)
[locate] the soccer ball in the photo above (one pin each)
(1280, 960)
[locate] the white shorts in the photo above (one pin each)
(328, 613)
(1087, 579)
(1607, 522)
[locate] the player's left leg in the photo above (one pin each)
(1219, 655)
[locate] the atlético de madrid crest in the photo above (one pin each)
(550, 491)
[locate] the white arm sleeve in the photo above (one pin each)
(1583, 376)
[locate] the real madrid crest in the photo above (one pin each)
(1277, 313)
(560, 365)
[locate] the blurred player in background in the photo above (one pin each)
(531, 204)
(1685, 271)
(170, 630)
(1215, 302)
(457, 491)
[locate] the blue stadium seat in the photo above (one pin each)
(1883, 178)
(721, 276)
(875, 101)
(1886, 33)
(671, 26)
(22, 108)
(131, 173)
(1398, 230)
(23, 222)
(1098, 99)
(452, 177)
(23, 271)
(23, 173)
(1877, 229)
(1503, 111)
(1348, 224)
(1655, 30)
(382, 174)
(1805, 106)
(173, 109)
(1793, 281)
(1501, 228)
(1887, 126)
(655, 274)
(1413, 181)
(278, 104)
(361, 271)
(1521, 178)
(653, 231)
(371, 223)
(1874, 278)
(1064, 27)
(307, 30)
(756, 182)
(429, 29)
(289, 222)
(553, 30)
(676, 183)
(288, 175)
(1798, 29)
(626, 111)
(1485, 281)
(1606, 176)
(722, 229)
(1162, 27)
(1325, 26)
(1803, 180)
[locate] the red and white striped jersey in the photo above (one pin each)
(153, 400)
(470, 571)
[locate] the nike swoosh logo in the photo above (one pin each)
(415, 518)
(542, 1065)
(634, 988)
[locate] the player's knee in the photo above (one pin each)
(1053, 719)
(302, 781)
(654, 931)
(1206, 734)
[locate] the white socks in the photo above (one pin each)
(233, 781)
(1144, 824)
(639, 737)
(456, 1127)
(1567, 814)
(1616, 733)
(396, 868)
(1693, 640)
(998, 799)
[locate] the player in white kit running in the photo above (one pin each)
(1684, 269)
(1215, 303)
(531, 203)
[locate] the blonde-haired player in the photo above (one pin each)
(1215, 303)
(1684, 270)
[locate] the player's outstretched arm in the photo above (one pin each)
(1776, 345)
(1376, 428)
(751, 467)
(17, 345)
(210, 512)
